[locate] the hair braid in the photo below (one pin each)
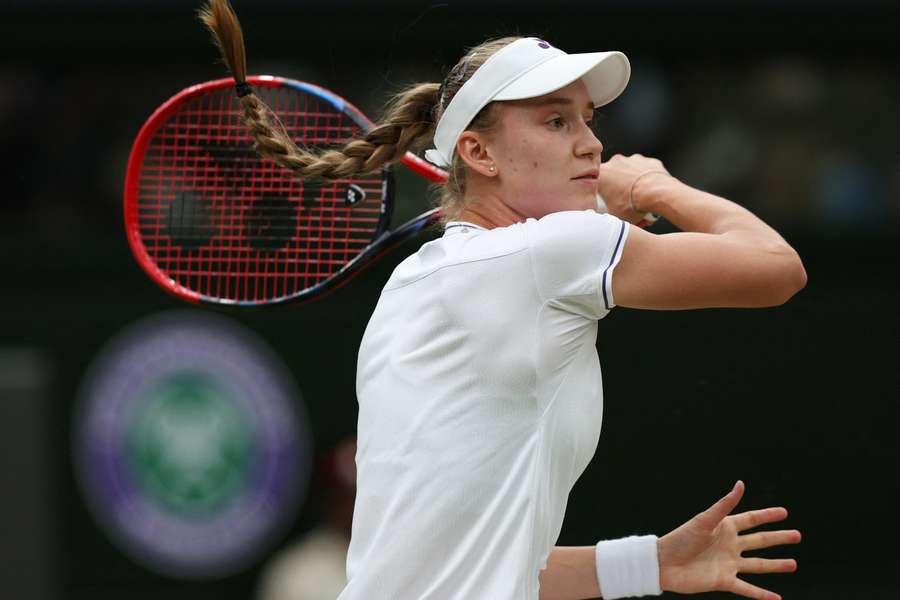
(408, 122)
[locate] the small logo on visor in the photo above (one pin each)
(543, 44)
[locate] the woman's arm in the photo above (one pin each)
(704, 554)
(571, 574)
(725, 256)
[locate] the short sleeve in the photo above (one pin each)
(574, 255)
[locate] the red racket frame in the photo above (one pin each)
(170, 107)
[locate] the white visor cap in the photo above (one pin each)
(526, 68)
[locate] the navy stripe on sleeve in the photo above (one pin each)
(611, 261)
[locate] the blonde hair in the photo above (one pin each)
(408, 122)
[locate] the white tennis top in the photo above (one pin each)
(480, 403)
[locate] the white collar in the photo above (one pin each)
(455, 227)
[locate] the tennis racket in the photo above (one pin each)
(212, 222)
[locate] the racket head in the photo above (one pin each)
(210, 221)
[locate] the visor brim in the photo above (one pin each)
(605, 75)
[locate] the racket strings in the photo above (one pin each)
(219, 220)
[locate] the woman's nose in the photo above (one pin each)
(590, 144)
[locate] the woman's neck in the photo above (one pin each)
(489, 214)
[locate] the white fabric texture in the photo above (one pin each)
(480, 404)
(628, 567)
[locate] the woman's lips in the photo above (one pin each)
(591, 175)
(587, 180)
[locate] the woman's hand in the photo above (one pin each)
(704, 554)
(618, 179)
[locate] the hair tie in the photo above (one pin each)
(242, 88)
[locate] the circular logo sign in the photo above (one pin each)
(190, 445)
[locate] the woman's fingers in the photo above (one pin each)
(767, 539)
(767, 565)
(755, 518)
(713, 515)
(751, 591)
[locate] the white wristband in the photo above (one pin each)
(628, 567)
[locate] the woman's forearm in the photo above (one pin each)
(571, 574)
(691, 209)
(694, 210)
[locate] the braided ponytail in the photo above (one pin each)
(407, 123)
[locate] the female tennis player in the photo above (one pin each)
(478, 381)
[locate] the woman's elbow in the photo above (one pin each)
(791, 278)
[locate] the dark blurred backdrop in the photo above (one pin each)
(789, 108)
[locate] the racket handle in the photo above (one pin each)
(648, 220)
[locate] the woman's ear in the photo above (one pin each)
(472, 148)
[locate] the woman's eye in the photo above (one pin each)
(557, 123)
